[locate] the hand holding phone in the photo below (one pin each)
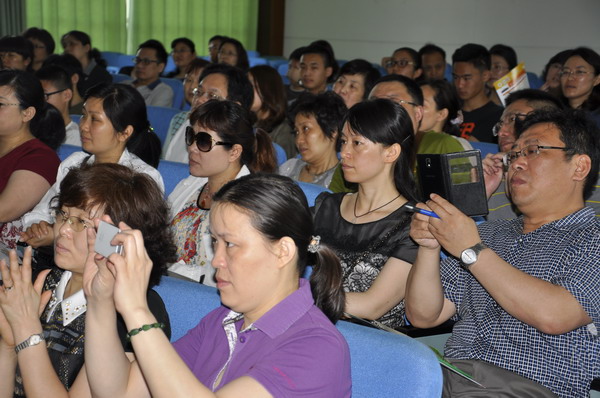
(106, 232)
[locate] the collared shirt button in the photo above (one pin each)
(242, 339)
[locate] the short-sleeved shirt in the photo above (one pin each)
(293, 350)
(293, 167)
(156, 93)
(34, 156)
(364, 249)
(479, 122)
(564, 252)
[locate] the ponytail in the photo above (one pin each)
(145, 145)
(263, 159)
(96, 55)
(326, 283)
(48, 126)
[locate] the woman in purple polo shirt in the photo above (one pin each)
(268, 339)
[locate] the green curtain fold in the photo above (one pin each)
(106, 21)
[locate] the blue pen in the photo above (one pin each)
(416, 209)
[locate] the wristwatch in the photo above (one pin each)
(470, 255)
(34, 339)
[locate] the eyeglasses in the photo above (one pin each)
(47, 95)
(578, 73)
(76, 223)
(401, 63)
(204, 141)
(509, 121)
(199, 92)
(144, 61)
(182, 50)
(402, 102)
(530, 151)
(498, 67)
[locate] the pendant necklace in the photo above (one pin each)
(370, 211)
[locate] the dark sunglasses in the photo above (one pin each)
(204, 141)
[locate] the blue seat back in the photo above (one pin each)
(172, 173)
(170, 66)
(253, 61)
(177, 87)
(75, 118)
(311, 191)
(383, 364)
(111, 57)
(118, 78)
(64, 151)
(159, 118)
(484, 147)
(280, 153)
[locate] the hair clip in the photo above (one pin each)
(315, 244)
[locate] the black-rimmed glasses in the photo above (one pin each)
(47, 95)
(204, 141)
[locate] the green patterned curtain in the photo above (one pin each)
(120, 25)
(103, 20)
(12, 17)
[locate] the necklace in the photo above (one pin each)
(370, 211)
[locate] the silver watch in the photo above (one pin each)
(470, 255)
(34, 339)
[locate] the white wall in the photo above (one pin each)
(371, 29)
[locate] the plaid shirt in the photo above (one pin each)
(565, 252)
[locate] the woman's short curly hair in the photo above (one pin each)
(128, 196)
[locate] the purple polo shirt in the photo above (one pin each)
(293, 350)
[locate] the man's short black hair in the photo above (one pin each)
(56, 75)
(430, 48)
(475, 54)
(239, 88)
(537, 99)
(296, 54)
(161, 53)
(577, 131)
(66, 61)
(411, 86)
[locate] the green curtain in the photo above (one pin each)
(103, 20)
(12, 17)
(198, 20)
(107, 24)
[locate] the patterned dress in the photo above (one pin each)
(190, 229)
(364, 249)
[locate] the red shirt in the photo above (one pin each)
(32, 155)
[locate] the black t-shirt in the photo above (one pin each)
(480, 122)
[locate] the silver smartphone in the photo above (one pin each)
(106, 232)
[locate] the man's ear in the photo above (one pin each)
(161, 66)
(329, 71)
(67, 95)
(583, 165)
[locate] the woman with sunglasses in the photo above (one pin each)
(79, 44)
(27, 165)
(114, 129)
(43, 356)
(222, 146)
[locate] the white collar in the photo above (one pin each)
(72, 306)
